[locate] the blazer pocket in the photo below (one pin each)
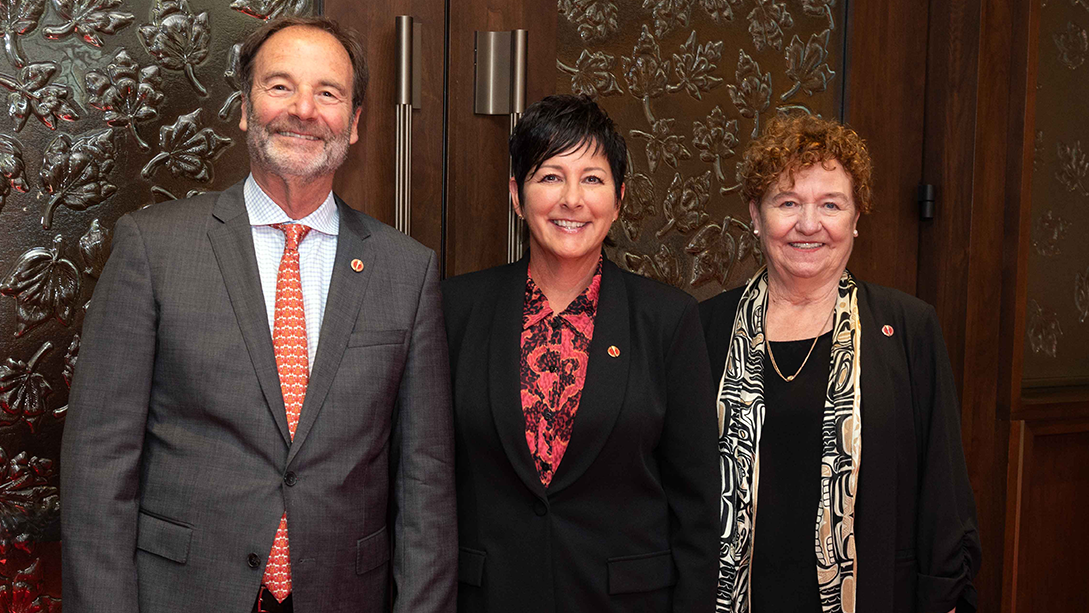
(471, 566)
(372, 551)
(163, 537)
(367, 338)
(642, 573)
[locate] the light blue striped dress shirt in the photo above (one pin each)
(317, 253)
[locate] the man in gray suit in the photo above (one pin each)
(260, 417)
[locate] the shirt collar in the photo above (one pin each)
(580, 313)
(263, 211)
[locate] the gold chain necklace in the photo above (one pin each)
(797, 372)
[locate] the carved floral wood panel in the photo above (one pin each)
(688, 83)
(1057, 318)
(111, 105)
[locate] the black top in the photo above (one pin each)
(784, 567)
(915, 526)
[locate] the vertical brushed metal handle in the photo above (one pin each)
(519, 55)
(402, 165)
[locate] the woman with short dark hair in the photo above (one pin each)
(587, 476)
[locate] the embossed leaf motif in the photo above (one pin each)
(807, 66)
(663, 144)
(177, 39)
(18, 18)
(752, 94)
(638, 203)
(28, 504)
(1047, 231)
(126, 93)
(187, 149)
(720, 10)
(717, 251)
(74, 171)
(31, 93)
(87, 19)
(11, 167)
(1073, 44)
(645, 71)
(25, 594)
(70, 358)
(271, 9)
(818, 8)
(1073, 167)
(44, 285)
(663, 266)
(1043, 330)
(596, 19)
(1081, 295)
(94, 248)
(685, 204)
(766, 23)
(694, 66)
(669, 14)
(232, 75)
(717, 138)
(23, 390)
(592, 75)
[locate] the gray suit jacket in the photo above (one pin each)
(177, 462)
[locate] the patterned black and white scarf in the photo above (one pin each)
(741, 392)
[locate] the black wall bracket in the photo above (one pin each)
(927, 198)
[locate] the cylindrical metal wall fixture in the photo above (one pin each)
(402, 166)
(493, 73)
(519, 51)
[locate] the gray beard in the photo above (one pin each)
(263, 152)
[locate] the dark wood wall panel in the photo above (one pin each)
(1052, 468)
(477, 158)
(366, 179)
(886, 78)
(977, 86)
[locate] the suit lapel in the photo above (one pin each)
(232, 243)
(606, 380)
(346, 290)
(504, 370)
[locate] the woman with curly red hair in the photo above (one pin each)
(838, 412)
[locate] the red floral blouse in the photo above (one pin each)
(554, 356)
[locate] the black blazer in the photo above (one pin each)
(629, 522)
(915, 529)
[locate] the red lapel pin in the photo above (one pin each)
(614, 351)
(357, 265)
(886, 330)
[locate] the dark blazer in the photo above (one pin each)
(915, 529)
(177, 462)
(629, 521)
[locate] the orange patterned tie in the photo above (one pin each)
(292, 363)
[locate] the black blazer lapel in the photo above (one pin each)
(346, 290)
(504, 373)
(877, 489)
(606, 379)
(232, 242)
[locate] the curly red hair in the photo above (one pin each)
(790, 143)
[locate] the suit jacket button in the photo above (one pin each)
(253, 560)
(290, 479)
(539, 508)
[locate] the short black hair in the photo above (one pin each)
(562, 123)
(347, 37)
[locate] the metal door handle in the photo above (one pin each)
(407, 95)
(501, 90)
(519, 54)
